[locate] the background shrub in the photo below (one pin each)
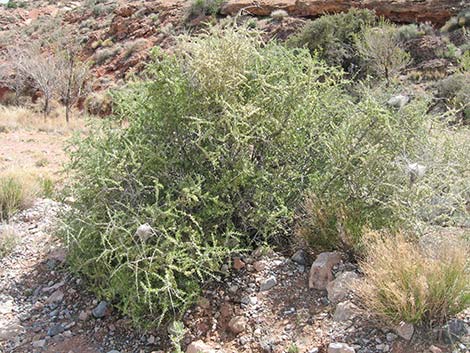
(366, 181)
(381, 49)
(203, 8)
(333, 36)
(454, 90)
(99, 103)
(104, 54)
(406, 282)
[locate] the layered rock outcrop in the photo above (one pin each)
(434, 11)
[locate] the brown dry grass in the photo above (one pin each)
(8, 240)
(406, 282)
(15, 118)
(18, 189)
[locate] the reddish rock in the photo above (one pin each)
(321, 271)
(199, 347)
(238, 264)
(125, 11)
(434, 11)
(259, 265)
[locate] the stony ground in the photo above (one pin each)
(262, 303)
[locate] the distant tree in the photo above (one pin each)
(72, 80)
(53, 67)
(73, 74)
(30, 63)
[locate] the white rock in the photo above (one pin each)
(345, 311)
(434, 349)
(337, 347)
(6, 305)
(199, 347)
(405, 330)
(55, 297)
(339, 289)
(321, 270)
(83, 316)
(9, 329)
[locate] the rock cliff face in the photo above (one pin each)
(434, 11)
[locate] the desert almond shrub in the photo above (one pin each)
(405, 281)
(211, 154)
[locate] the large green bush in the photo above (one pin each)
(213, 153)
(213, 159)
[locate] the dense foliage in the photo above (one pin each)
(215, 152)
(333, 36)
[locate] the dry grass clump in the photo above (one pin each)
(407, 282)
(19, 188)
(8, 240)
(15, 118)
(17, 191)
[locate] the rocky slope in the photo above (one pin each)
(263, 302)
(117, 35)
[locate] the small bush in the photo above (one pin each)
(333, 36)
(16, 4)
(8, 240)
(455, 91)
(407, 32)
(464, 61)
(406, 282)
(103, 55)
(203, 8)
(381, 49)
(279, 15)
(134, 46)
(17, 191)
(99, 104)
(103, 9)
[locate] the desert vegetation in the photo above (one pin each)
(427, 285)
(232, 142)
(350, 136)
